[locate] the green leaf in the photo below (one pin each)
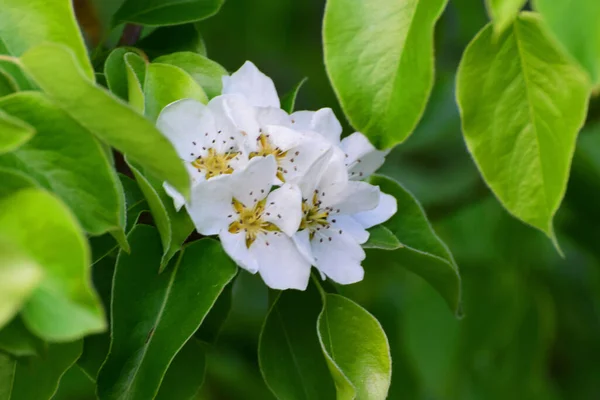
(575, 25)
(289, 352)
(166, 84)
(116, 73)
(25, 24)
(16, 340)
(151, 313)
(54, 70)
(63, 156)
(173, 39)
(19, 277)
(421, 251)
(165, 12)
(136, 76)
(503, 12)
(381, 237)
(288, 101)
(13, 133)
(14, 70)
(8, 84)
(32, 378)
(185, 375)
(12, 181)
(379, 57)
(64, 306)
(217, 316)
(522, 104)
(356, 348)
(204, 71)
(174, 226)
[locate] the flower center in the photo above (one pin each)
(250, 220)
(214, 164)
(265, 148)
(314, 217)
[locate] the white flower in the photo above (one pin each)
(256, 225)
(270, 131)
(330, 236)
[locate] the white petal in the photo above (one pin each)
(280, 264)
(210, 205)
(254, 182)
(284, 138)
(234, 117)
(322, 121)
(184, 123)
(338, 258)
(353, 197)
(253, 84)
(385, 209)
(272, 116)
(284, 208)
(300, 158)
(302, 241)
(350, 226)
(234, 245)
(362, 158)
(178, 199)
(312, 177)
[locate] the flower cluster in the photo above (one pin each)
(283, 192)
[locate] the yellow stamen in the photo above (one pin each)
(265, 148)
(250, 220)
(214, 164)
(313, 217)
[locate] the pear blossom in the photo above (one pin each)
(271, 131)
(257, 225)
(331, 232)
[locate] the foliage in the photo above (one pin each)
(109, 288)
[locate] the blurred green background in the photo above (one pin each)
(531, 326)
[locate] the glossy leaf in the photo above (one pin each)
(381, 237)
(16, 340)
(575, 25)
(7, 84)
(13, 133)
(64, 306)
(522, 104)
(165, 84)
(289, 352)
(379, 57)
(11, 181)
(54, 70)
(174, 226)
(212, 325)
(173, 39)
(205, 72)
(151, 314)
(503, 12)
(19, 277)
(136, 76)
(63, 156)
(421, 251)
(165, 12)
(25, 24)
(185, 374)
(36, 377)
(288, 101)
(356, 349)
(116, 73)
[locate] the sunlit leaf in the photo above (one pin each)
(25, 24)
(356, 348)
(13, 132)
(379, 57)
(205, 72)
(53, 68)
(522, 104)
(503, 12)
(64, 305)
(63, 156)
